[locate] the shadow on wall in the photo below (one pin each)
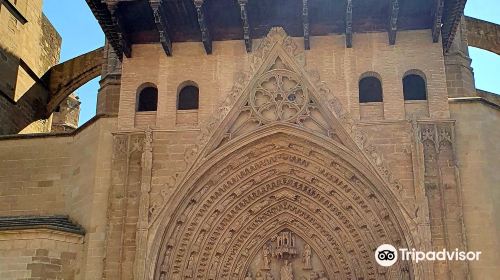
(18, 110)
(41, 96)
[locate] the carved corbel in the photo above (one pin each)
(348, 24)
(305, 23)
(162, 25)
(246, 25)
(202, 21)
(393, 23)
(123, 38)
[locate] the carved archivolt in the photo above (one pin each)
(279, 183)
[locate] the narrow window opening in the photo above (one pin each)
(148, 99)
(370, 90)
(414, 87)
(188, 98)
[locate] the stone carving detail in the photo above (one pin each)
(275, 185)
(438, 135)
(279, 96)
(307, 257)
(334, 213)
(306, 103)
(282, 259)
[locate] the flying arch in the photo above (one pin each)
(483, 34)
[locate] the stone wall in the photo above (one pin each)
(36, 43)
(61, 175)
(31, 49)
(339, 67)
(40, 254)
(115, 175)
(477, 156)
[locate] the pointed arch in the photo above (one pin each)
(324, 185)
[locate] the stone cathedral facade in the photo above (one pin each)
(273, 157)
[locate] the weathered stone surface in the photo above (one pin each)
(483, 34)
(305, 182)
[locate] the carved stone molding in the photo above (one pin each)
(292, 57)
(276, 185)
(442, 187)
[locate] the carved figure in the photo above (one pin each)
(258, 276)
(322, 276)
(212, 274)
(189, 267)
(266, 254)
(307, 257)
(313, 275)
(269, 276)
(249, 276)
(286, 271)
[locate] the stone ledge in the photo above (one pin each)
(57, 223)
(57, 134)
(485, 97)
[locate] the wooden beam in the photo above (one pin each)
(123, 39)
(348, 24)
(14, 11)
(305, 23)
(246, 25)
(111, 30)
(161, 24)
(438, 20)
(453, 12)
(393, 23)
(202, 21)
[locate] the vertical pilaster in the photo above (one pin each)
(459, 73)
(108, 97)
(123, 211)
(442, 188)
(144, 202)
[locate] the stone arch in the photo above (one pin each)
(63, 79)
(312, 172)
(42, 99)
(483, 34)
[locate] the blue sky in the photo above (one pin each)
(81, 33)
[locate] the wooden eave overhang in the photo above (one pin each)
(127, 22)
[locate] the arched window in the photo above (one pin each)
(147, 99)
(370, 90)
(188, 98)
(414, 87)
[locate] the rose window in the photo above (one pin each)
(278, 96)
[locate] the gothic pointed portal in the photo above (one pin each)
(281, 182)
(284, 187)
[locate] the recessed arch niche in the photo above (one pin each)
(278, 179)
